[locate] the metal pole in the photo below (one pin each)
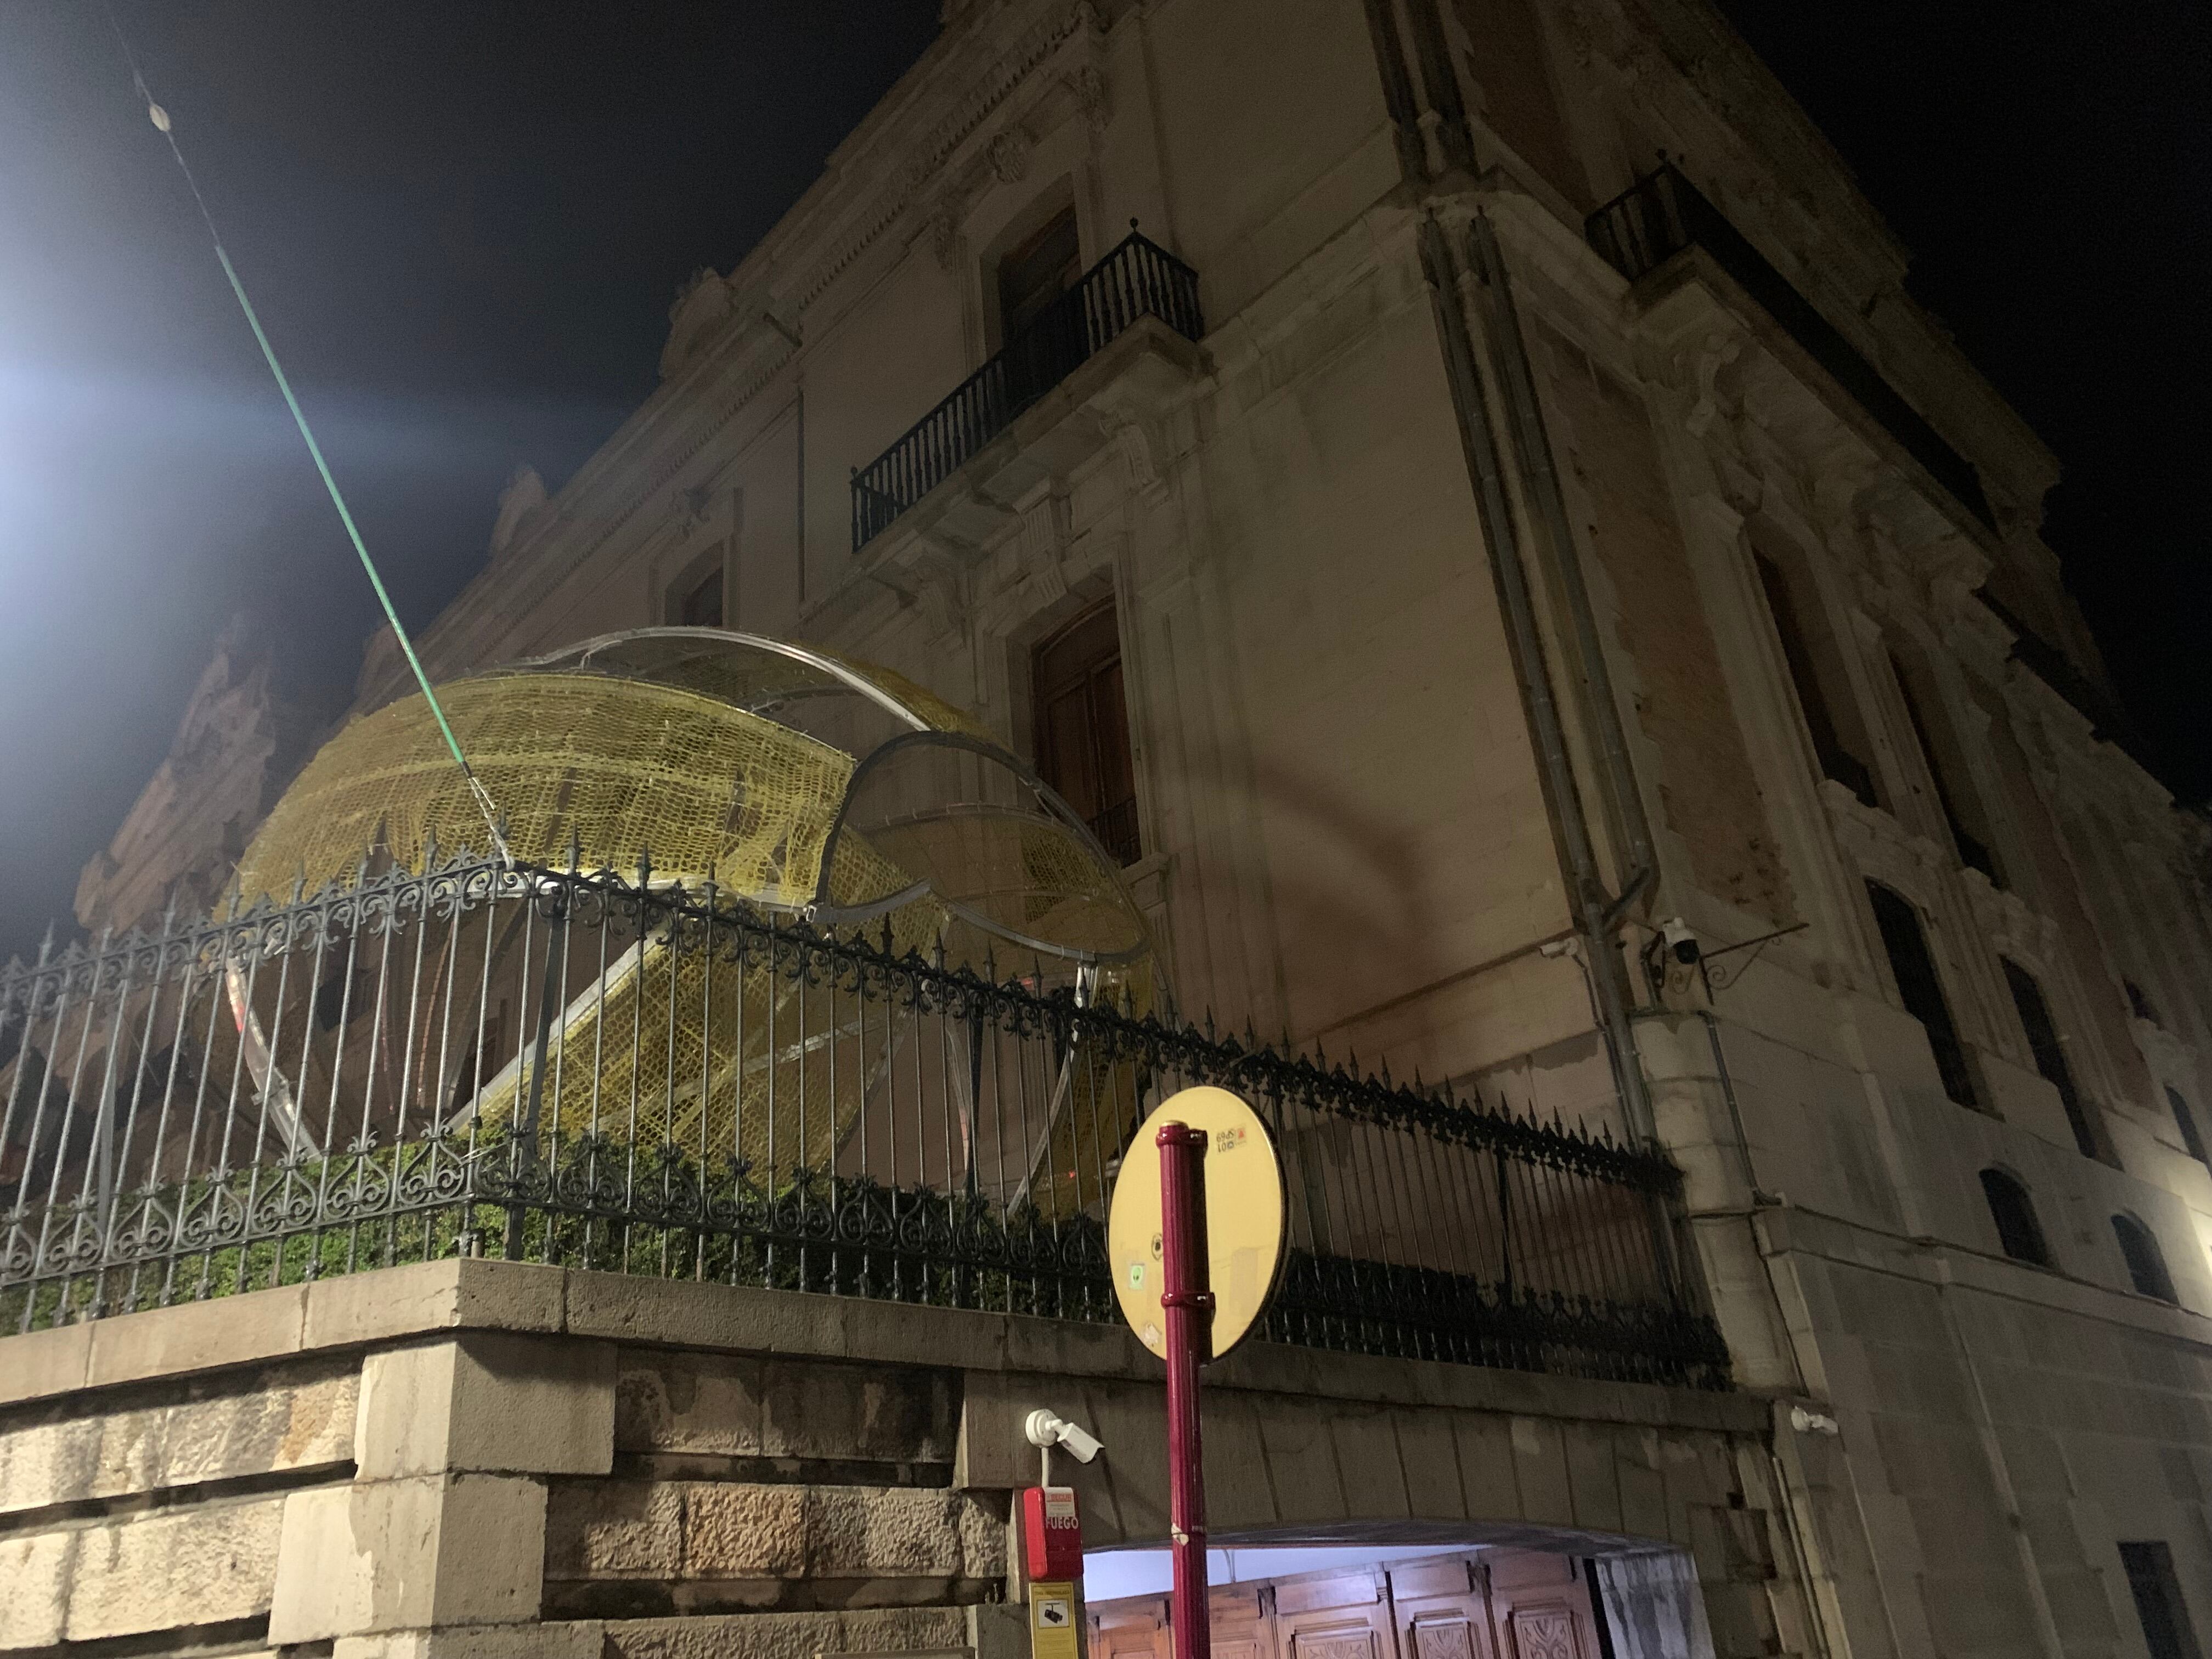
(1189, 1302)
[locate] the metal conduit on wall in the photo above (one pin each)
(1597, 912)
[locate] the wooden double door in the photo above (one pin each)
(1485, 1604)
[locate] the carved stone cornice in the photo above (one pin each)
(938, 149)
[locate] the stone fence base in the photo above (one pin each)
(472, 1458)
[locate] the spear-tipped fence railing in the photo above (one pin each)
(621, 1072)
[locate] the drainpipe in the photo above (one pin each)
(1594, 908)
(1761, 1198)
(1539, 487)
(1803, 1534)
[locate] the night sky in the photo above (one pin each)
(463, 225)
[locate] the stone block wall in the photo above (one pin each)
(482, 1459)
(159, 1506)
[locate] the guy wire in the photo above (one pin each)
(160, 117)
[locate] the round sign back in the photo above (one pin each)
(1244, 1217)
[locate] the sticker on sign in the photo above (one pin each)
(1246, 1210)
(1051, 1619)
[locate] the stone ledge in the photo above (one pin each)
(695, 1598)
(455, 1294)
(392, 1304)
(913, 1632)
(794, 1409)
(579, 1640)
(790, 1635)
(350, 1310)
(42, 1364)
(724, 1532)
(1935, 1261)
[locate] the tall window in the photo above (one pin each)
(701, 606)
(1835, 761)
(1083, 727)
(2050, 1054)
(1921, 989)
(2149, 1563)
(1039, 339)
(2146, 1262)
(1037, 271)
(2185, 1120)
(2019, 1233)
(1973, 850)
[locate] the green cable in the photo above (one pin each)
(338, 501)
(160, 117)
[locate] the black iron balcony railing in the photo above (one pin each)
(1139, 278)
(1662, 213)
(624, 1075)
(2111, 720)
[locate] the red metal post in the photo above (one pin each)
(1188, 1301)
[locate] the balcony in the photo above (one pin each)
(1664, 213)
(1138, 279)
(2091, 700)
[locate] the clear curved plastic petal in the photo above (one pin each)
(808, 785)
(963, 818)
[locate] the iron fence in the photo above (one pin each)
(1139, 278)
(622, 1073)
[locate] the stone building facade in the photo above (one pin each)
(1574, 624)
(244, 732)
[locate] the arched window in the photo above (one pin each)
(2010, 1208)
(2146, 1262)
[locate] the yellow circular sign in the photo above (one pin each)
(1244, 1217)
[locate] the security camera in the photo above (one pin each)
(1044, 1430)
(1680, 940)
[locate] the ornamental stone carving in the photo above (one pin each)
(1010, 153)
(942, 230)
(702, 304)
(1087, 86)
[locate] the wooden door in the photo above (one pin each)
(1443, 1610)
(1134, 1629)
(1243, 1627)
(1540, 1606)
(1488, 1604)
(1337, 1615)
(1083, 727)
